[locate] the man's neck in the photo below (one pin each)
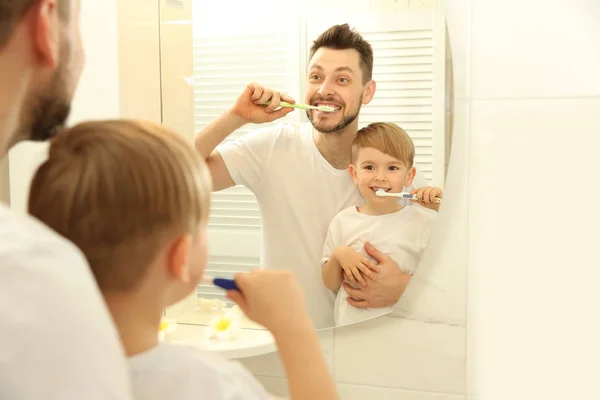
(137, 321)
(336, 147)
(13, 93)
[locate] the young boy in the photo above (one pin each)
(382, 160)
(135, 198)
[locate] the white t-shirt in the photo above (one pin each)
(57, 337)
(178, 372)
(403, 235)
(298, 193)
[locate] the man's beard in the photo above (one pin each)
(50, 109)
(340, 126)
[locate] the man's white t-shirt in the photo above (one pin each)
(58, 339)
(298, 193)
(403, 235)
(178, 372)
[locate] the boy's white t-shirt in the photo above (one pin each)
(403, 235)
(178, 372)
(58, 339)
(298, 193)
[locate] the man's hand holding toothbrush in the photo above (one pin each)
(250, 105)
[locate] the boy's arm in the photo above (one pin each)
(332, 270)
(332, 273)
(304, 363)
(296, 338)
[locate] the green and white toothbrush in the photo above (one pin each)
(305, 106)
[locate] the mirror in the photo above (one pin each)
(209, 54)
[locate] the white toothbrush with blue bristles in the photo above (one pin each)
(305, 106)
(403, 195)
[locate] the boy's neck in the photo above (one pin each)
(388, 207)
(137, 321)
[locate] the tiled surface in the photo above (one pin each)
(356, 392)
(458, 17)
(270, 364)
(4, 181)
(277, 387)
(536, 48)
(402, 354)
(533, 250)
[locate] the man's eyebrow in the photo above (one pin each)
(338, 69)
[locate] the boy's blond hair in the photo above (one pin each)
(119, 190)
(387, 138)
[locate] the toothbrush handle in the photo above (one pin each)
(224, 283)
(290, 105)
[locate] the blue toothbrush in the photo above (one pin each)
(223, 283)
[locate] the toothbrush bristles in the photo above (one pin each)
(325, 108)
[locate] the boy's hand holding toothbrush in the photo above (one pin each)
(275, 300)
(250, 105)
(428, 196)
(272, 299)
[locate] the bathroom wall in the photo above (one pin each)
(531, 90)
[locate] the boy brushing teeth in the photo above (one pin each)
(382, 160)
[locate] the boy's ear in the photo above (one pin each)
(177, 258)
(410, 177)
(353, 173)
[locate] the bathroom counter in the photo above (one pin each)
(252, 342)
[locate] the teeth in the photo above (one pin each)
(379, 189)
(334, 106)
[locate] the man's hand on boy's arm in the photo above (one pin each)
(383, 291)
(427, 197)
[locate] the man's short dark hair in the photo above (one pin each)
(342, 37)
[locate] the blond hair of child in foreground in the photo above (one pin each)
(135, 198)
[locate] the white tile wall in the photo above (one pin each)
(458, 16)
(277, 387)
(4, 181)
(401, 353)
(357, 392)
(535, 48)
(533, 184)
(535, 119)
(269, 365)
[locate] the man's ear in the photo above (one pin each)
(353, 173)
(44, 25)
(177, 256)
(369, 91)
